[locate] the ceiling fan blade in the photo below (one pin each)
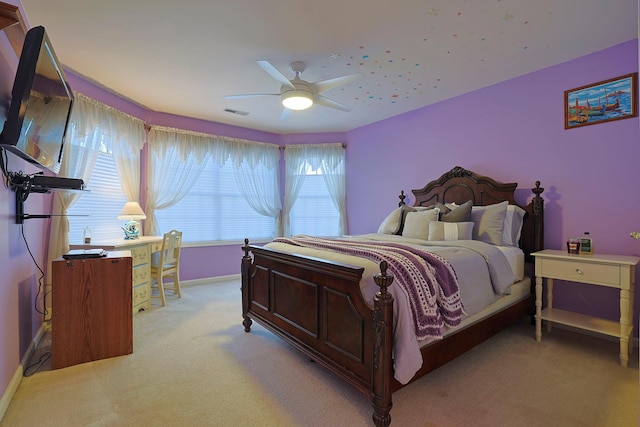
(250, 95)
(286, 113)
(273, 72)
(324, 85)
(321, 100)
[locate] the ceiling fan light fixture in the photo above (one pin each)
(297, 99)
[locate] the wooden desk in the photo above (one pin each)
(91, 302)
(141, 250)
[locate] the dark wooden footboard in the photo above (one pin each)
(316, 305)
(313, 304)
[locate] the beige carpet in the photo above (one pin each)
(193, 365)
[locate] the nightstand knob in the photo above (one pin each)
(579, 271)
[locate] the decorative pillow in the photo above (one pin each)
(455, 213)
(513, 222)
(439, 230)
(489, 222)
(391, 224)
(407, 209)
(416, 223)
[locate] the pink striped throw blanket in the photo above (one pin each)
(427, 279)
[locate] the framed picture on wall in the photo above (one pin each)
(608, 100)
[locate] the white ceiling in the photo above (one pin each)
(183, 57)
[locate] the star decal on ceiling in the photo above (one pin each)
(433, 12)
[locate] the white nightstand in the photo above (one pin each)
(614, 271)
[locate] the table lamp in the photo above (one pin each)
(132, 211)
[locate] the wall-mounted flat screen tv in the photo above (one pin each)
(41, 103)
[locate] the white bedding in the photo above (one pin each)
(515, 256)
(474, 277)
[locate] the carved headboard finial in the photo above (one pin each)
(401, 197)
(538, 190)
(458, 172)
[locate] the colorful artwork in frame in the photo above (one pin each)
(608, 100)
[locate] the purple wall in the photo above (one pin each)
(512, 131)
(19, 276)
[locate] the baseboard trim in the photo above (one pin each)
(209, 280)
(13, 385)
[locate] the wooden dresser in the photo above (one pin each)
(141, 250)
(91, 309)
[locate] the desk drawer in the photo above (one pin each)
(578, 271)
(140, 274)
(140, 297)
(140, 255)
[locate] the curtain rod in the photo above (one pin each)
(148, 127)
(282, 147)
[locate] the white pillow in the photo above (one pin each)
(416, 224)
(391, 224)
(513, 225)
(447, 231)
(489, 222)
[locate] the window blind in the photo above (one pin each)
(99, 207)
(313, 212)
(214, 210)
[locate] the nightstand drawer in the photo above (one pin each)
(578, 271)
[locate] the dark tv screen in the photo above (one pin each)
(41, 103)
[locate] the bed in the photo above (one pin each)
(322, 303)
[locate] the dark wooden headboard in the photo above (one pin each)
(460, 185)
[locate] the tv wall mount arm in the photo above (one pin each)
(23, 185)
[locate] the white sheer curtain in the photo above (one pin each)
(256, 169)
(127, 140)
(175, 163)
(295, 168)
(256, 176)
(330, 160)
(91, 127)
(333, 171)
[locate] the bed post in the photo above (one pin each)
(538, 223)
(401, 203)
(246, 274)
(382, 367)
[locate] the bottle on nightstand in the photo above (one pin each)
(586, 244)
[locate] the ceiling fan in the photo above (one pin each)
(298, 94)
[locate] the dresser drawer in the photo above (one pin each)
(578, 271)
(140, 255)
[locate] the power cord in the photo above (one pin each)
(44, 310)
(38, 364)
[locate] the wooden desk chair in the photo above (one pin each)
(168, 263)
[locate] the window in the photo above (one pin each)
(214, 210)
(314, 213)
(99, 207)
